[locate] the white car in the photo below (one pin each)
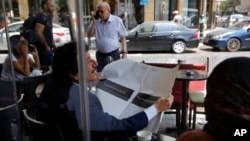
(61, 34)
(235, 18)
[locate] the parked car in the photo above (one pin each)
(235, 18)
(61, 34)
(161, 36)
(233, 38)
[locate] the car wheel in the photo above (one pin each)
(179, 47)
(233, 45)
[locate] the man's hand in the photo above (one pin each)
(124, 55)
(164, 103)
(91, 30)
(93, 17)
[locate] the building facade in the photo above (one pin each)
(152, 10)
(134, 12)
(190, 10)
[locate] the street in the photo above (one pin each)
(197, 55)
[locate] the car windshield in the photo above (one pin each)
(240, 25)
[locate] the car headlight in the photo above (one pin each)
(218, 36)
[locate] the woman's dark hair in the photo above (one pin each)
(14, 42)
(56, 93)
(228, 98)
(65, 60)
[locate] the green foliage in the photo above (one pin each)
(62, 12)
(228, 4)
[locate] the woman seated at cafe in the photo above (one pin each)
(23, 60)
(65, 90)
(227, 103)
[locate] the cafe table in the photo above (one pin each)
(186, 76)
(155, 137)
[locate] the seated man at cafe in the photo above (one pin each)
(23, 59)
(65, 91)
(227, 103)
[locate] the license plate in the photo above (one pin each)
(205, 40)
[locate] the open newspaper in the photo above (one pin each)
(131, 87)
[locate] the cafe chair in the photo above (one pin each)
(9, 121)
(32, 89)
(9, 124)
(64, 129)
(197, 98)
(36, 130)
(12, 105)
(42, 124)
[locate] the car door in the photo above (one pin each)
(164, 36)
(143, 37)
(246, 40)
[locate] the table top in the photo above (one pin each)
(191, 75)
(155, 137)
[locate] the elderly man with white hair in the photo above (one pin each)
(109, 32)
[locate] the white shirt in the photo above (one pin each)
(6, 73)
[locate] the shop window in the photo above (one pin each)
(162, 10)
(190, 13)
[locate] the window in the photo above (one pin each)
(190, 13)
(147, 28)
(15, 28)
(169, 27)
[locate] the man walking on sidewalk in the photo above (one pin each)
(109, 31)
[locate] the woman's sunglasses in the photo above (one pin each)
(24, 42)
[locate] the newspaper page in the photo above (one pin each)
(130, 87)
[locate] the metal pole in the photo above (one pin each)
(82, 71)
(202, 19)
(16, 137)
